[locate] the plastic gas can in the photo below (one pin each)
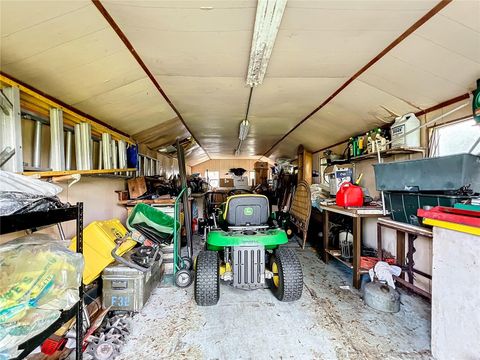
(349, 195)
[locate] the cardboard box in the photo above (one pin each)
(137, 187)
(227, 183)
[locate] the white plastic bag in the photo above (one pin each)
(18, 191)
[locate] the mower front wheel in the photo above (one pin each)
(207, 278)
(287, 281)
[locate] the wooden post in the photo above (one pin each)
(379, 242)
(400, 252)
(305, 165)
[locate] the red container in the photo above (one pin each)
(50, 346)
(349, 195)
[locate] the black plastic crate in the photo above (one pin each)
(403, 206)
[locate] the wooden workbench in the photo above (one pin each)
(357, 217)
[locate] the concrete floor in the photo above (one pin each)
(328, 322)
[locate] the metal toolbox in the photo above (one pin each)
(128, 289)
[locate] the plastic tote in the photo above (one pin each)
(98, 242)
(445, 173)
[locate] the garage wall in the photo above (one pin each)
(99, 200)
(224, 165)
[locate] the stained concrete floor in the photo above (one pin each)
(329, 322)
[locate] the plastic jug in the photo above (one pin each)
(403, 125)
(349, 195)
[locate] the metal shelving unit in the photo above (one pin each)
(33, 220)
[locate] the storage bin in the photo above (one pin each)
(98, 242)
(128, 289)
(403, 206)
(446, 173)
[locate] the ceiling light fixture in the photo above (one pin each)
(244, 128)
(267, 21)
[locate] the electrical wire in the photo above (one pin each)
(246, 118)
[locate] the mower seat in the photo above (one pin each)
(246, 210)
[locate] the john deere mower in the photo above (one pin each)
(243, 249)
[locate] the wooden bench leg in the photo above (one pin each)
(326, 235)
(357, 250)
(410, 261)
(379, 242)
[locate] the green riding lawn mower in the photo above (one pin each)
(243, 249)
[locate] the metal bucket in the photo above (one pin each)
(381, 297)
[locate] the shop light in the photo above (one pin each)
(267, 21)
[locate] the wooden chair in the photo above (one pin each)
(301, 209)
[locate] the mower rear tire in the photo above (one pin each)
(207, 278)
(287, 282)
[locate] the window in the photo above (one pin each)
(213, 178)
(455, 138)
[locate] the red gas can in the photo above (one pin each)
(349, 195)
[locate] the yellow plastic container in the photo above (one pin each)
(98, 242)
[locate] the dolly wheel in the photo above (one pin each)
(187, 262)
(183, 278)
(207, 283)
(287, 281)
